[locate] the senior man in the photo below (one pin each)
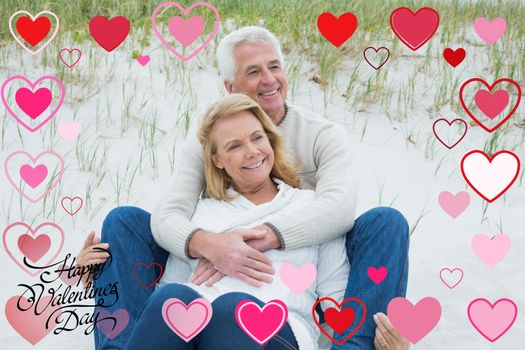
(251, 62)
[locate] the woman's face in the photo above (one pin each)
(243, 150)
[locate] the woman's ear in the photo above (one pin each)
(217, 162)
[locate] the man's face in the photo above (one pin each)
(259, 74)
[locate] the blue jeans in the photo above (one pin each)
(221, 333)
(379, 238)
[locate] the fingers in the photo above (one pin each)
(388, 331)
(215, 278)
(252, 234)
(207, 274)
(89, 240)
(90, 253)
(257, 255)
(250, 280)
(380, 341)
(259, 266)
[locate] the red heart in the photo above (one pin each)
(414, 29)
(109, 33)
(339, 321)
(337, 30)
(133, 272)
(454, 57)
(490, 88)
(33, 31)
(34, 248)
(336, 319)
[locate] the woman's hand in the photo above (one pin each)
(206, 272)
(230, 255)
(387, 337)
(90, 256)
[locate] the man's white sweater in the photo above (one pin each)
(321, 147)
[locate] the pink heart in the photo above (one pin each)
(69, 131)
(490, 31)
(435, 129)
(455, 275)
(34, 248)
(261, 324)
(491, 104)
(492, 320)
(33, 176)
(70, 52)
(414, 322)
(187, 321)
(183, 34)
(454, 205)
(377, 275)
(28, 324)
(143, 60)
(491, 250)
(33, 104)
(112, 323)
(297, 279)
(18, 243)
(186, 31)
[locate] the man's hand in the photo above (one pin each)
(387, 337)
(231, 256)
(269, 241)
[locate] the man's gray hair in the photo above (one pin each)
(250, 35)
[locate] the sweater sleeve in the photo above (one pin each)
(332, 213)
(170, 220)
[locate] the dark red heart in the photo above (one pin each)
(454, 57)
(109, 33)
(337, 30)
(33, 31)
(339, 321)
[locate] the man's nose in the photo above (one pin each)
(267, 76)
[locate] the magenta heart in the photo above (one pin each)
(31, 326)
(454, 204)
(261, 324)
(33, 103)
(492, 104)
(143, 60)
(34, 248)
(414, 322)
(186, 31)
(112, 323)
(377, 275)
(33, 176)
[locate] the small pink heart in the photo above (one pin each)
(33, 103)
(186, 31)
(490, 31)
(451, 278)
(187, 321)
(414, 322)
(69, 131)
(298, 279)
(31, 326)
(454, 204)
(34, 248)
(73, 57)
(491, 250)
(261, 324)
(112, 323)
(377, 275)
(33, 176)
(491, 104)
(143, 60)
(492, 320)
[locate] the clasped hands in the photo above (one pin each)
(237, 253)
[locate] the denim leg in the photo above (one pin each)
(379, 238)
(127, 230)
(151, 331)
(223, 332)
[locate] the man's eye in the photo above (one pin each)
(275, 67)
(234, 147)
(252, 72)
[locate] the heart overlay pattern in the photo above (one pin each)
(261, 324)
(492, 321)
(414, 322)
(33, 29)
(187, 321)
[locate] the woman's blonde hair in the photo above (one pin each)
(217, 180)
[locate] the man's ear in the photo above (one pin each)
(229, 86)
(217, 162)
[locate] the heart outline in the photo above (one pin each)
(71, 199)
(33, 19)
(490, 89)
(451, 271)
(376, 50)
(147, 267)
(185, 12)
(449, 124)
(70, 52)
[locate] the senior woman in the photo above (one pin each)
(248, 179)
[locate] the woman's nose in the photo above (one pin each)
(252, 149)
